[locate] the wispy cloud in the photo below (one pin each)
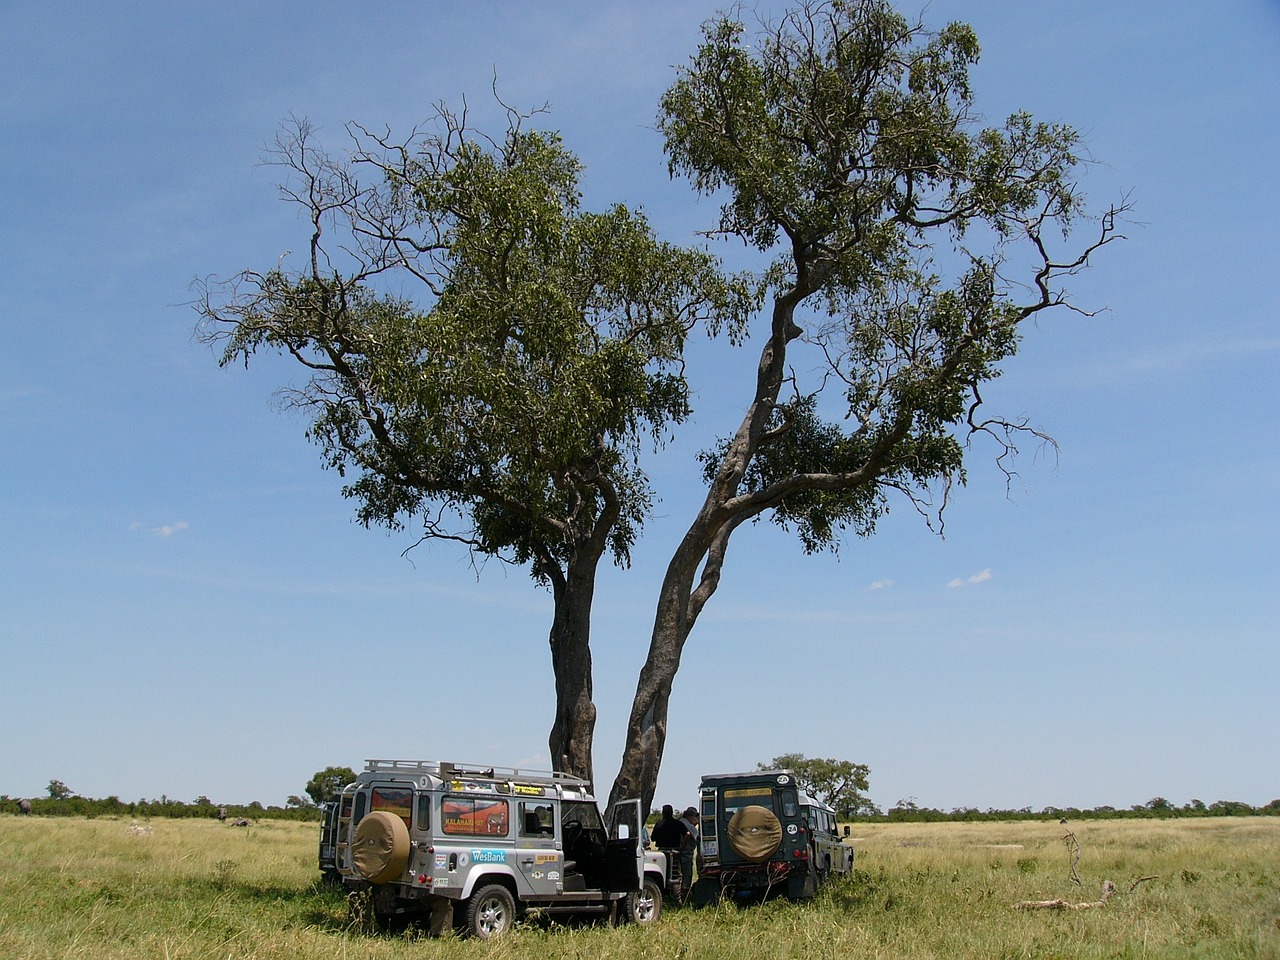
(982, 576)
(168, 530)
(880, 585)
(1181, 356)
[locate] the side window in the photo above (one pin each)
(474, 816)
(536, 820)
(423, 814)
(789, 808)
(397, 800)
(362, 805)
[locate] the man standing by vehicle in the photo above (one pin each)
(688, 850)
(669, 836)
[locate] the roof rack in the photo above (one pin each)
(448, 770)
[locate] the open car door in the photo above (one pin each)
(626, 848)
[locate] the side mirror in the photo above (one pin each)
(846, 829)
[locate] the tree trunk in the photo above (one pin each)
(573, 731)
(680, 602)
(647, 726)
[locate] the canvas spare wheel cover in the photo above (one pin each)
(382, 847)
(755, 833)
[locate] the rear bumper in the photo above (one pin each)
(752, 875)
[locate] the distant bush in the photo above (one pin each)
(906, 811)
(73, 806)
(909, 812)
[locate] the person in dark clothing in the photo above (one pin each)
(669, 836)
(669, 833)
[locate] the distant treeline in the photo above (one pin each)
(164, 807)
(1157, 808)
(904, 812)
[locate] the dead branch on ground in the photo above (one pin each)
(1108, 888)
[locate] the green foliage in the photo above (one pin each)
(505, 405)
(326, 783)
(58, 790)
(838, 783)
(844, 138)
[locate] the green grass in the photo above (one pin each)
(197, 889)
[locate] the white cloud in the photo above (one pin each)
(982, 576)
(168, 530)
(881, 585)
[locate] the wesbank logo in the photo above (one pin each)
(488, 856)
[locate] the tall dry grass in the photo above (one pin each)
(196, 889)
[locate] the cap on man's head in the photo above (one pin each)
(691, 812)
(667, 810)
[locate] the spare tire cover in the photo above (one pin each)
(381, 848)
(755, 833)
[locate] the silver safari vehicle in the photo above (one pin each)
(483, 846)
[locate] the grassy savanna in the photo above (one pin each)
(196, 889)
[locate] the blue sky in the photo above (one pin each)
(187, 607)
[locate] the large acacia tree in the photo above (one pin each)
(915, 241)
(484, 357)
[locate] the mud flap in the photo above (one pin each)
(802, 886)
(706, 892)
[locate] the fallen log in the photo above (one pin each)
(1108, 888)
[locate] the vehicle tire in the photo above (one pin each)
(491, 911)
(755, 833)
(644, 906)
(380, 851)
